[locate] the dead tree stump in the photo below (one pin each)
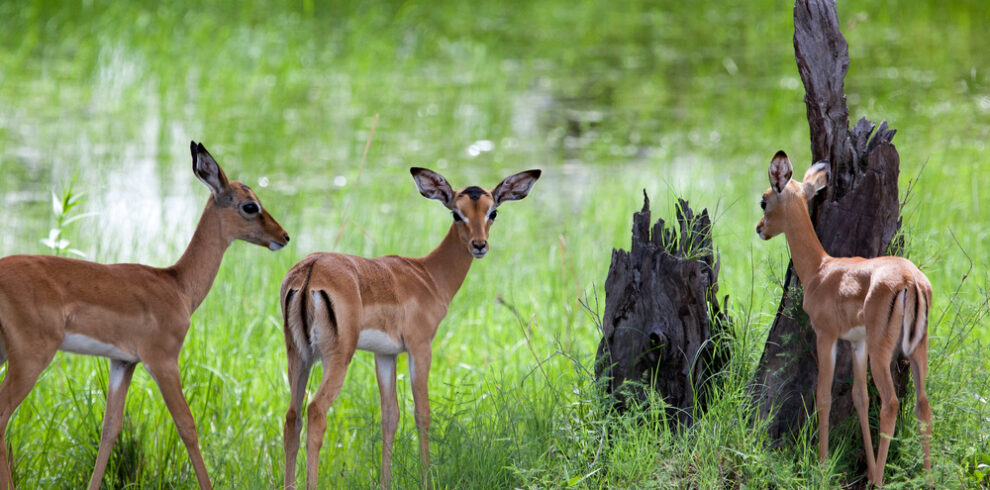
(661, 315)
(856, 215)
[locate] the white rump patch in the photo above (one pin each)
(378, 342)
(854, 334)
(81, 344)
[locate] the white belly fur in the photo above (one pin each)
(81, 344)
(378, 342)
(854, 334)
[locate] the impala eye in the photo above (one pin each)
(492, 215)
(250, 208)
(457, 217)
(763, 205)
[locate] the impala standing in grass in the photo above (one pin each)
(878, 305)
(334, 304)
(129, 313)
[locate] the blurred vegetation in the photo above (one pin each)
(679, 98)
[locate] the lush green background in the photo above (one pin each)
(608, 98)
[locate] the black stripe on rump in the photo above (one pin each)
(893, 301)
(285, 307)
(330, 313)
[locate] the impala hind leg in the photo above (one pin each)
(385, 368)
(880, 367)
(919, 368)
(334, 370)
(861, 400)
(22, 374)
(298, 376)
(113, 417)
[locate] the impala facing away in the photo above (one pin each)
(878, 305)
(129, 313)
(334, 304)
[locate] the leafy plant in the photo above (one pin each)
(62, 205)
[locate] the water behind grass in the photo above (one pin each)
(607, 98)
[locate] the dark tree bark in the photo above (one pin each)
(856, 215)
(661, 315)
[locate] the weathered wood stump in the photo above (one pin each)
(661, 315)
(856, 215)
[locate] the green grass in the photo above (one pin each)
(607, 98)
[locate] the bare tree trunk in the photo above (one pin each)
(661, 315)
(856, 215)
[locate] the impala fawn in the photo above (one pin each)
(129, 313)
(871, 303)
(334, 304)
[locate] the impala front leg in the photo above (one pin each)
(166, 374)
(385, 368)
(823, 397)
(419, 370)
(113, 418)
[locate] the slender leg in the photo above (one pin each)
(419, 370)
(385, 368)
(880, 367)
(919, 368)
(113, 417)
(298, 376)
(22, 374)
(823, 399)
(861, 400)
(167, 376)
(334, 370)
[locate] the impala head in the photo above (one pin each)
(786, 196)
(240, 210)
(473, 208)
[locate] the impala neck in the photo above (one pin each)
(198, 266)
(806, 249)
(449, 264)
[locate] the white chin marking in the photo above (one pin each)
(275, 245)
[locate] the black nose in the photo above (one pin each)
(479, 245)
(285, 236)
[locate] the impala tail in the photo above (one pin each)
(308, 313)
(914, 325)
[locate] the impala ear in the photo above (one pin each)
(780, 171)
(516, 186)
(816, 178)
(433, 186)
(207, 169)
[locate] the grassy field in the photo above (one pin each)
(608, 98)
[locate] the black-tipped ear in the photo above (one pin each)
(207, 169)
(433, 186)
(516, 186)
(780, 171)
(817, 177)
